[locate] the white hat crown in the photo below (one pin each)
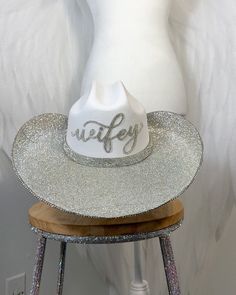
(107, 122)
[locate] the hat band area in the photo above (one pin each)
(109, 162)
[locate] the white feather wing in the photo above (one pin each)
(42, 55)
(41, 59)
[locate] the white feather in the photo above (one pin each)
(43, 49)
(41, 59)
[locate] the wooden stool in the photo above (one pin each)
(51, 223)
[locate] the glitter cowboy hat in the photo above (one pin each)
(108, 158)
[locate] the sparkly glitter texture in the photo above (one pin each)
(43, 167)
(107, 239)
(169, 265)
(106, 162)
(38, 265)
(168, 258)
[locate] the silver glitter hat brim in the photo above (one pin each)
(43, 167)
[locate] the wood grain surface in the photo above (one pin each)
(56, 221)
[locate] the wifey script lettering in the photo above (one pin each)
(106, 134)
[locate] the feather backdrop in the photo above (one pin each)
(44, 46)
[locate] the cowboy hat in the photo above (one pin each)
(108, 159)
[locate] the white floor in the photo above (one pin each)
(221, 264)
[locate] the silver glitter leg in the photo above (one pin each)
(169, 265)
(39, 258)
(61, 269)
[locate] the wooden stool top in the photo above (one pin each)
(51, 220)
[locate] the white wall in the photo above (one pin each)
(18, 243)
(219, 275)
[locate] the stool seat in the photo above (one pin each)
(52, 220)
(51, 223)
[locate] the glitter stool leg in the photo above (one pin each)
(169, 265)
(61, 269)
(39, 258)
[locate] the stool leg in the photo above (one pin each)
(61, 269)
(39, 258)
(169, 265)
